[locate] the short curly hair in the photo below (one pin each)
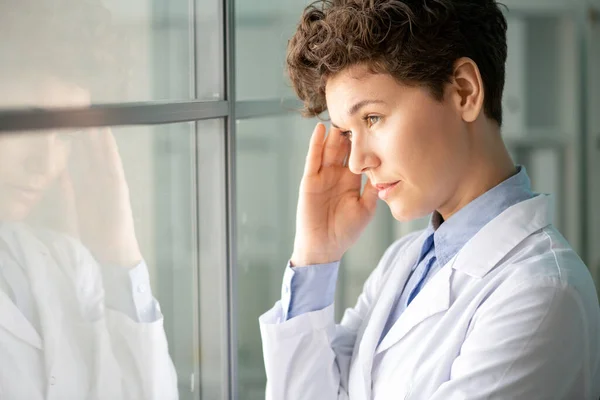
(415, 41)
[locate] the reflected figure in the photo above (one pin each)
(77, 315)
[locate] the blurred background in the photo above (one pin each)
(212, 147)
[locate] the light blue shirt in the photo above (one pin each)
(312, 288)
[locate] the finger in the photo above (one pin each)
(369, 196)
(81, 159)
(314, 158)
(69, 204)
(102, 158)
(106, 145)
(336, 148)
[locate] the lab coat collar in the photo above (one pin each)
(480, 255)
(391, 282)
(40, 268)
(11, 318)
(450, 236)
(483, 252)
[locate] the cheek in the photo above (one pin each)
(63, 154)
(11, 160)
(58, 160)
(412, 147)
(423, 154)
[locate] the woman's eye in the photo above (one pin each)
(347, 134)
(373, 119)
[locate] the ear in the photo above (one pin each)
(467, 89)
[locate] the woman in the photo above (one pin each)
(488, 302)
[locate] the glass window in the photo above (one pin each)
(593, 144)
(540, 111)
(262, 32)
(114, 51)
(113, 261)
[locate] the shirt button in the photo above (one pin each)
(52, 380)
(141, 288)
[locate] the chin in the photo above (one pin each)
(14, 213)
(403, 212)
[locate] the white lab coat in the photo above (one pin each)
(514, 315)
(85, 351)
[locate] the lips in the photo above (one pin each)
(383, 186)
(26, 192)
(385, 189)
(27, 188)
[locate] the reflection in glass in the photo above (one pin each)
(102, 261)
(77, 312)
(100, 248)
(136, 50)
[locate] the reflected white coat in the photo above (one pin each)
(514, 315)
(85, 351)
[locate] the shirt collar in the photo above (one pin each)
(451, 235)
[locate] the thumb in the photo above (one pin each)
(369, 197)
(69, 204)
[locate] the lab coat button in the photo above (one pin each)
(141, 288)
(52, 380)
(287, 289)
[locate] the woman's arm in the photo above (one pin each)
(309, 356)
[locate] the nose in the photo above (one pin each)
(361, 158)
(41, 158)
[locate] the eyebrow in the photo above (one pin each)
(356, 108)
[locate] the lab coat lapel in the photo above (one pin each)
(433, 299)
(41, 272)
(11, 318)
(480, 255)
(392, 284)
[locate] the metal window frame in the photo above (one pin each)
(231, 391)
(150, 113)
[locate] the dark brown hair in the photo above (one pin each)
(415, 41)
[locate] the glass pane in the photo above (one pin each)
(270, 160)
(112, 51)
(99, 263)
(593, 147)
(262, 32)
(541, 111)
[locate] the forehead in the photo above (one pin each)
(355, 84)
(354, 76)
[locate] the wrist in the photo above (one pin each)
(300, 259)
(123, 256)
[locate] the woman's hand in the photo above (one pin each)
(98, 197)
(332, 213)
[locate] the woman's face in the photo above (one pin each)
(31, 161)
(411, 146)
